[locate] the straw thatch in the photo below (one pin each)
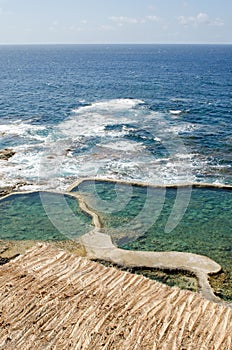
(50, 299)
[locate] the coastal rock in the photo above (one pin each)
(4, 261)
(9, 189)
(3, 248)
(53, 299)
(6, 190)
(6, 153)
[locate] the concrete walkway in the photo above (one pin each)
(99, 245)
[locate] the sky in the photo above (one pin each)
(115, 21)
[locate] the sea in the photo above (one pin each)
(160, 114)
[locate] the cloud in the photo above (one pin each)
(200, 19)
(153, 18)
(217, 22)
(57, 27)
(121, 20)
(54, 26)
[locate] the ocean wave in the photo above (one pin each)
(183, 128)
(119, 138)
(115, 105)
(20, 128)
(175, 111)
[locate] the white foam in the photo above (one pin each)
(111, 105)
(124, 146)
(92, 143)
(183, 127)
(180, 99)
(19, 128)
(92, 120)
(175, 111)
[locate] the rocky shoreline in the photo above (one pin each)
(4, 191)
(6, 153)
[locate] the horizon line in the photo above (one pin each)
(119, 43)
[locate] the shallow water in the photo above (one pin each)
(185, 219)
(136, 222)
(42, 216)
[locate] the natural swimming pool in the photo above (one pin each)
(205, 228)
(135, 216)
(42, 216)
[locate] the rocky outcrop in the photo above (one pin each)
(6, 153)
(50, 299)
(6, 190)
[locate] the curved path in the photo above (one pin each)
(99, 246)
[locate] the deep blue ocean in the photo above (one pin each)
(152, 113)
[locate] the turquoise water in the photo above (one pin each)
(136, 218)
(42, 216)
(205, 228)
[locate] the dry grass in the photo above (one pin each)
(50, 299)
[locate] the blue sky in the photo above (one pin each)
(115, 21)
